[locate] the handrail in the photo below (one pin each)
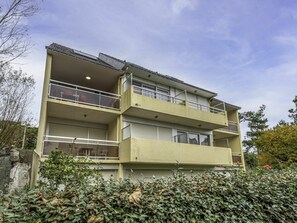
(173, 99)
(82, 87)
(230, 125)
(83, 95)
(211, 109)
(81, 147)
(79, 140)
(155, 92)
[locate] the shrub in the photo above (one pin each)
(258, 196)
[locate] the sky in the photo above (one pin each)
(244, 50)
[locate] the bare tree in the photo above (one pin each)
(14, 39)
(16, 92)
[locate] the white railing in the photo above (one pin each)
(81, 147)
(83, 95)
(206, 108)
(175, 99)
(232, 127)
(158, 95)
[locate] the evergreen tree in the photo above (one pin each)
(257, 123)
(293, 112)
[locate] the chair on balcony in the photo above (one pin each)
(102, 153)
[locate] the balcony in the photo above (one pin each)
(236, 158)
(82, 95)
(150, 104)
(232, 127)
(81, 147)
(136, 150)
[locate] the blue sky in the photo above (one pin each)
(245, 50)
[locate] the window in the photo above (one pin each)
(193, 138)
(205, 140)
(181, 137)
(137, 87)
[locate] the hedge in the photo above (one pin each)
(258, 196)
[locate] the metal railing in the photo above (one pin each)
(236, 157)
(232, 127)
(83, 95)
(175, 100)
(206, 108)
(157, 95)
(81, 147)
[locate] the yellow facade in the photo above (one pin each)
(134, 150)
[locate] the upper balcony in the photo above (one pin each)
(82, 95)
(145, 103)
(79, 103)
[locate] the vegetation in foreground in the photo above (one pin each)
(265, 195)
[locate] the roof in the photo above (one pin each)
(118, 64)
(158, 74)
(77, 54)
(231, 106)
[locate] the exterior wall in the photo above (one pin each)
(172, 112)
(43, 116)
(163, 152)
(42, 122)
(113, 130)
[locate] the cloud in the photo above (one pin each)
(287, 40)
(177, 6)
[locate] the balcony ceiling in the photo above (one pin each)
(73, 70)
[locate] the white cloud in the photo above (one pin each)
(178, 6)
(288, 40)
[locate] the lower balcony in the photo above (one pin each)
(136, 150)
(81, 147)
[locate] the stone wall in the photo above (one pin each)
(5, 167)
(15, 168)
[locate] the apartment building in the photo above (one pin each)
(135, 122)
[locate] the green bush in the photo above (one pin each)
(264, 195)
(259, 196)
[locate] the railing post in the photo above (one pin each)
(49, 89)
(186, 98)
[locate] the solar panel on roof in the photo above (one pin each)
(85, 54)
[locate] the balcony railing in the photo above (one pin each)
(236, 157)
(178, 99)
(83, 95)
(232, 127)
(81, 147)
